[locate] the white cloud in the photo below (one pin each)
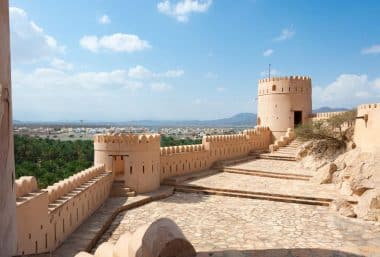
(375, 49)
(286, 33)
(182, 9)
(268, 52)
(118, 42)
(55, 79)
(104, 19)
(173, 73)
(160, 86)
(61, 64)
(140, 72)
(348, 90)
(220, 89)
(29, 42)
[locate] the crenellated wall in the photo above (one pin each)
(178, 160)
(46, 217)
(324, 115)
(367, 127)
(133, 158)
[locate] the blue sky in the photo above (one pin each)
(186, 59)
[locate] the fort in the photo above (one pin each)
(132, 170)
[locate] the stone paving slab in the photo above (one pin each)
(225, 180)
(274, 166)
(216, 225)
(86, 235)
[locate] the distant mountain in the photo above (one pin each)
(329, 109)
(238, 120)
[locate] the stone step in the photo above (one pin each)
(120, 190)
(276, 157)
(255, 195)
(267, 174)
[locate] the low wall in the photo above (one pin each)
(367, 127)
(178, 160)
(46, 217)
(324, 115)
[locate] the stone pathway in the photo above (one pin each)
(87, 234)
(217, 224)
(273, 166)
(250, 183)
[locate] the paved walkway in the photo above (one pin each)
(250, 183)
(273, 166)
(216, 224)
(87, 234)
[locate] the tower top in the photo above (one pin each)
(284, 78)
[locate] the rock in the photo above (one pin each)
(360, 184)
(324, 175)
(344, 208)
(368, 207)
(345, 188)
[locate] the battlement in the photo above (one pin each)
(26, 185)
(181, 149)
(225, 138)
(325, 115)
(126, 138)
(369, 106)
(65, 186)
(274, 79)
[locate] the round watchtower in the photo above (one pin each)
(283, 102)
(133, 159)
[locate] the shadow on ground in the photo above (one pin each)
(296, 252)
(190, 198)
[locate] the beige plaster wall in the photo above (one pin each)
(140, 158)
(46, 217)
(366, 134)
(278, 98)
(178, 160)
(7, 175)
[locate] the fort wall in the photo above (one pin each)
(283, 102)
(179, 160)
(324, 115)
(367, 127)
(132, 158)
(46, 217)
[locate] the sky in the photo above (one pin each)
(99, 60)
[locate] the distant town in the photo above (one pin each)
(72, 132)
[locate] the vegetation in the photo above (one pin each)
(337, 129)
(51, 160)
(171, 141)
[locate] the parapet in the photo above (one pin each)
(126, 138)
(181, 149)
(369, 106)
(273, 79)
(225, 138)
(26, 185)
(63, 187)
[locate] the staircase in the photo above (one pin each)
(285, 153)
(120, 190)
